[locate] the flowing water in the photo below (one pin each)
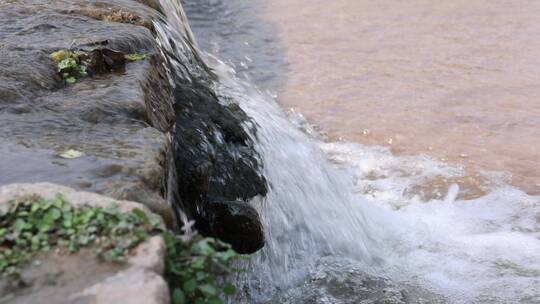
(455, 79)
(353, 223)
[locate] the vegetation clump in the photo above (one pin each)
(70, 65)
(73, 65)
(193, 266)
(35, 224)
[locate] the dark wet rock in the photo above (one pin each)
(213, 157)
(156, 87)
(236, 223)
(103, 61)
(220, 152)
(216, 162)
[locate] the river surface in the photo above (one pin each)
(454, 79)
(407, 171)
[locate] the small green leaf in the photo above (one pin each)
(82, 70)
(226, 255)
(44, 226)
(178, 296)
(34, 208)
(201, 276)
(229, 289)
(67, 63)
(20, 225)
(208, 289)
(71, 80)
(61, 55)
(197, 263)
(215, 300)
(190, 286)
(155, 221)
(203, 248)
(141, 215)
(112, 208)
(53, 214)
(135, 57)
(83, 240)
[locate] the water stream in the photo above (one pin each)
(349, 223)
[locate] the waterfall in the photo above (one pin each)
(299, 213)
(350, 202)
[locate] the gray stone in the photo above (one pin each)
(80, 277)
(134, 286)
(116, 119)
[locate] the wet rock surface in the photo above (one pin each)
(236, 223)
(217, 165)
(120, 116)
(56, 277)
(104, 116)
(213, 155)
(110, 133)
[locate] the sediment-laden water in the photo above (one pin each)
(352, 223)
(455, 79)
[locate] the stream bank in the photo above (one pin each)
(119, 122)
(106, 117)
(128, 133)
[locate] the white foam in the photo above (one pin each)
(484, 249)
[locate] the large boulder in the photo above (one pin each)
(214, 159)
(216, 163)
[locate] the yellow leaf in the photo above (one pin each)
(69, 154)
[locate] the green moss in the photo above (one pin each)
(69, 65)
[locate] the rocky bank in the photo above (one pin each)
(141, 134)
(80, 278)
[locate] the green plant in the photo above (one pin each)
(191, 269)
(35, 224)
(135, 57)
(69, 65)
(194, 265)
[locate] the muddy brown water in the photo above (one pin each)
(458, 80)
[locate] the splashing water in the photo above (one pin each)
(347, 208)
